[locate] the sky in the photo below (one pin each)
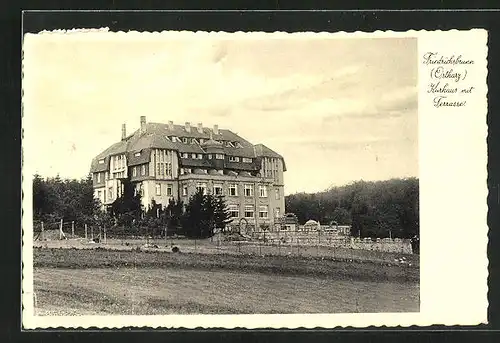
(337, 109)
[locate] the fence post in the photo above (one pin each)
(85, 231)
(60, 230)
(41, 234)
(104, 235)
(72, 228)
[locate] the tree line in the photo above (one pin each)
(73, 200)
(373, 209)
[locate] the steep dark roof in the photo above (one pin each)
(263, 151)
(155, 135)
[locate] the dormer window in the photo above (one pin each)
(174, 139)
(184, 140)
(219, 156)
(185, 155)
(209, 156)
(167, 138)
(199, 156)
(202, 141)
(229, 144)
(137, 154)
(101, 161)
(234, 159)
(238, 145)
(193, 156)
(194, 141)
(247, 160)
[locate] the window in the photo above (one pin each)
(234, 158)
(237, 145)
(187, 170)
(219, 156)
(247, 160)
(184, 190)
(99, 193)
(229, 144)
(184, 140)
(169, 190)
(233, 190)
(143, 170)
(277, 194)
(263, 191)
(277, 212)
(106, 176)
(110, 193)
(182, 171)
(98, 177)
(168, 169)
(101, 161)
(194, 141)
(158, 189)
(201, 186)
(234, 211)
(134, 171)
(263, 211)
(200, 156)
(202, 141)
(248, 190)
(193, 156)
(159, 170)
(217, 189)
(249, 211)
(209, 156)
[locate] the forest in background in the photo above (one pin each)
(374, 209)
(379, 209)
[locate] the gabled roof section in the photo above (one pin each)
(159, 136)
(115, 149)
(263, 151)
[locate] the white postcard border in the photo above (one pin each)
(453, 209)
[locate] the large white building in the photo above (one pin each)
(167, 161)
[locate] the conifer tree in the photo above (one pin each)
(222, 215)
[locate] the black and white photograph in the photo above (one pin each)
(216, 174)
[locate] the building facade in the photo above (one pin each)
(167, 161)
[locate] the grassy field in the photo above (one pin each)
(99, 281)
(139, 291)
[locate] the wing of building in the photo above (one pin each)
(168, 161)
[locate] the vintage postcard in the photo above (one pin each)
(254, 180)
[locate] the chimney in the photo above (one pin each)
(216, 129)
(124, 132)
(200, 127)
(143, 123)
(188, 127)
(170, 125)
